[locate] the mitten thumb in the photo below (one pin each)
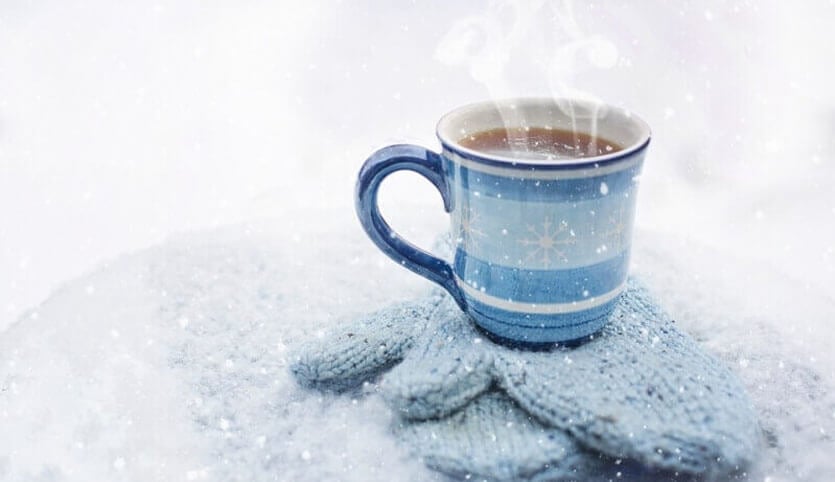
(358, 351)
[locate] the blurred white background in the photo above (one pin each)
(124, 122)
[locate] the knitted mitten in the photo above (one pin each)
(639, 389)
(492, 438)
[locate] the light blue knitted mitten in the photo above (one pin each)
(639, 390)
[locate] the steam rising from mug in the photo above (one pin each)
(515, 47)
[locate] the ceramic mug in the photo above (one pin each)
(542, 245)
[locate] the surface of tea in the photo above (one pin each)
(538, 143)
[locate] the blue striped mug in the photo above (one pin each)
(542, 239)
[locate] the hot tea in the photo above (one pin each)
(540, 143)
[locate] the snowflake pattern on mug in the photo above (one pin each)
(469, 233)
(547, 243)
(537, 236)
(613, 236)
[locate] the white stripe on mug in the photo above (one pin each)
(540, 308)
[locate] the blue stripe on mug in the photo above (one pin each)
(501, 285)
(560, 190)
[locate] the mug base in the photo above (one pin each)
(540, 332)
(532, 345)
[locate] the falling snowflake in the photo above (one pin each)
(546, 243)
(468, 232)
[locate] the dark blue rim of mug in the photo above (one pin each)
(528, 165)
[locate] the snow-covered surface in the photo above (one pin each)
(171, 363)
(121, 124)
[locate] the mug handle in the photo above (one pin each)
(382, 163)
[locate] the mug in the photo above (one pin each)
(541, 245)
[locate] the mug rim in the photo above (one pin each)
(520, 162)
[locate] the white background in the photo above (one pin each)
(124, 122)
